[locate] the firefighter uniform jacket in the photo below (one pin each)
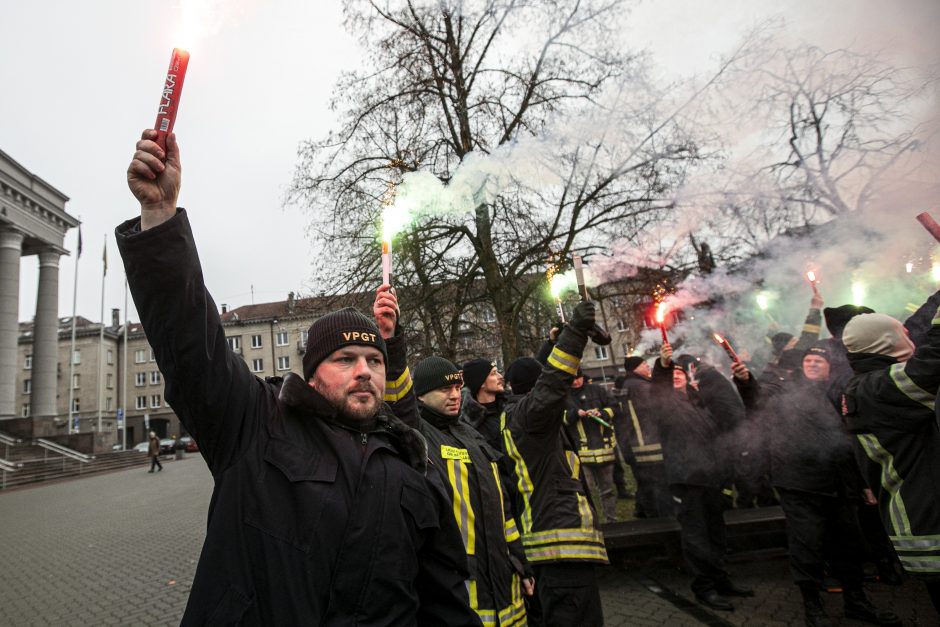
(643, 431)
(596, 441)
(310, 522)
(890, 407)
(557, 520)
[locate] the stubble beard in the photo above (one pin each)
(346, 406)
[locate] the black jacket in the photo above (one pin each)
(596, 442)
(639, 419)
(890, 408)
(688, 432)
(467, 466)
(309, 522)
(557, 520)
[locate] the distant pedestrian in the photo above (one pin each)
(154, 451)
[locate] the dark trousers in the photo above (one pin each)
(700, 511)
(155, 462)
(568, 595)
(653, 498)
(600, 480)
(822, 533)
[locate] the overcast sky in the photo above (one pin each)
(80, 80)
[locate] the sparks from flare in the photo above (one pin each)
(727, 346)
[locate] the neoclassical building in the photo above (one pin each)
(33, 223)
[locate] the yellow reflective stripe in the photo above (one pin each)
(728, 492)
(524, 481)
(463, 512)
(514, 615)
(649, 448)
(563, 361)
(582, 435)
(649, 458)
(890, 481)
(568, 535)
(811, 328)
(597, 456)
(511, 531)
(911, 389)
(397, 389)
(574, 464)
(472, 592)
(609, 412)
(587, 518)
(567, 551)
(636, 425)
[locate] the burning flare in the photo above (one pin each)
(727, 346)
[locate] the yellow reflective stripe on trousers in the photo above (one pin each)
(563, 361)
(597, 455)
(890, 481)
(396, 390)
(911, 389)
(460, 485)
(524, 480)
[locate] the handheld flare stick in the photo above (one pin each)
(811, 277)
(170, 98)
(388, 200)
(661, 320)
(930, 224)
(598, 335)
(727, 346)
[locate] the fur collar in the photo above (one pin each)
(304, 401)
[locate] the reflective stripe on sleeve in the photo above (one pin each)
(396, 390)
(563, 361)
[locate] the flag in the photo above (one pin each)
(79, 241)
(104, 255)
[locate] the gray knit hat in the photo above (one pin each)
(877, 333)
(335, 330)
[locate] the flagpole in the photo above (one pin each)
(72, 348)
(124, 374)
(104, 274)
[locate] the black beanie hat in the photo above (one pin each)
(779, 342)
(631, 363)
(475, 373)
(335, 330)
(838, 317)
(522, 374)
(819, 349)
(790, 359)
(435, 372)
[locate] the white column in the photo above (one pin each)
(46, 336)
(11, 247)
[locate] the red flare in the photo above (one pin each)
(170, 98)
(930, 224)
(727, 346)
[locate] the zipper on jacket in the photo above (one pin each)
(364, 438)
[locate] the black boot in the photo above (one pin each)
(858, 606)
(712, 599)
(813, 611)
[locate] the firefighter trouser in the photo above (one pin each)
(822, 531)
(568, 595)
(600, 481)
(653, 499)
(700, 511)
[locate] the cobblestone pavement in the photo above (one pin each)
(121, 549)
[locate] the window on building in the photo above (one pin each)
(141, 402)
(256, 341)
(283, 363)
(488, 314)
(600, 352)
(76, 405)
(621, 324)
(155, 377)
(140, 356)
(257, 365)
(25, 410)
(234, 342)
(140, 379)
(303, 338)
(110, 381)
(281, 338)
(28, 365)
(154, 401)
(77, 357)
(27, 386)
(153, 357)
(107, 404)
(76, 381)
(110, 361)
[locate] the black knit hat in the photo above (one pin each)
(435, 372)
(838, 317)
(335, 330)
(819, 349)
(790, 359)
(475, 373)
(631, 363)
(522, 374)
(779, 341)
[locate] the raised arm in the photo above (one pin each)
(399, 391)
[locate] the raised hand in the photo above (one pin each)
(153, 176)
(386, 311)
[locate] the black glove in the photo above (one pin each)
(583, 318)
(599, 336)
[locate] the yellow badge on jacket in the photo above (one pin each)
(452, 452)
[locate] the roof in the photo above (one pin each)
(311, 307)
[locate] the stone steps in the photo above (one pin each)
(55, 468)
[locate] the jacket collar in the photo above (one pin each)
(867, 362)
(436, 418)
(302, 400)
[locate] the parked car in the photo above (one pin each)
(167, 446)
(190, 444)
(143, 447)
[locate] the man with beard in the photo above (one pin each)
(813, 470)
(467, 466)
(558, 530)
(321, 513)
(890, 407)
(484, 385)
(642, 436)
(689, 433)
